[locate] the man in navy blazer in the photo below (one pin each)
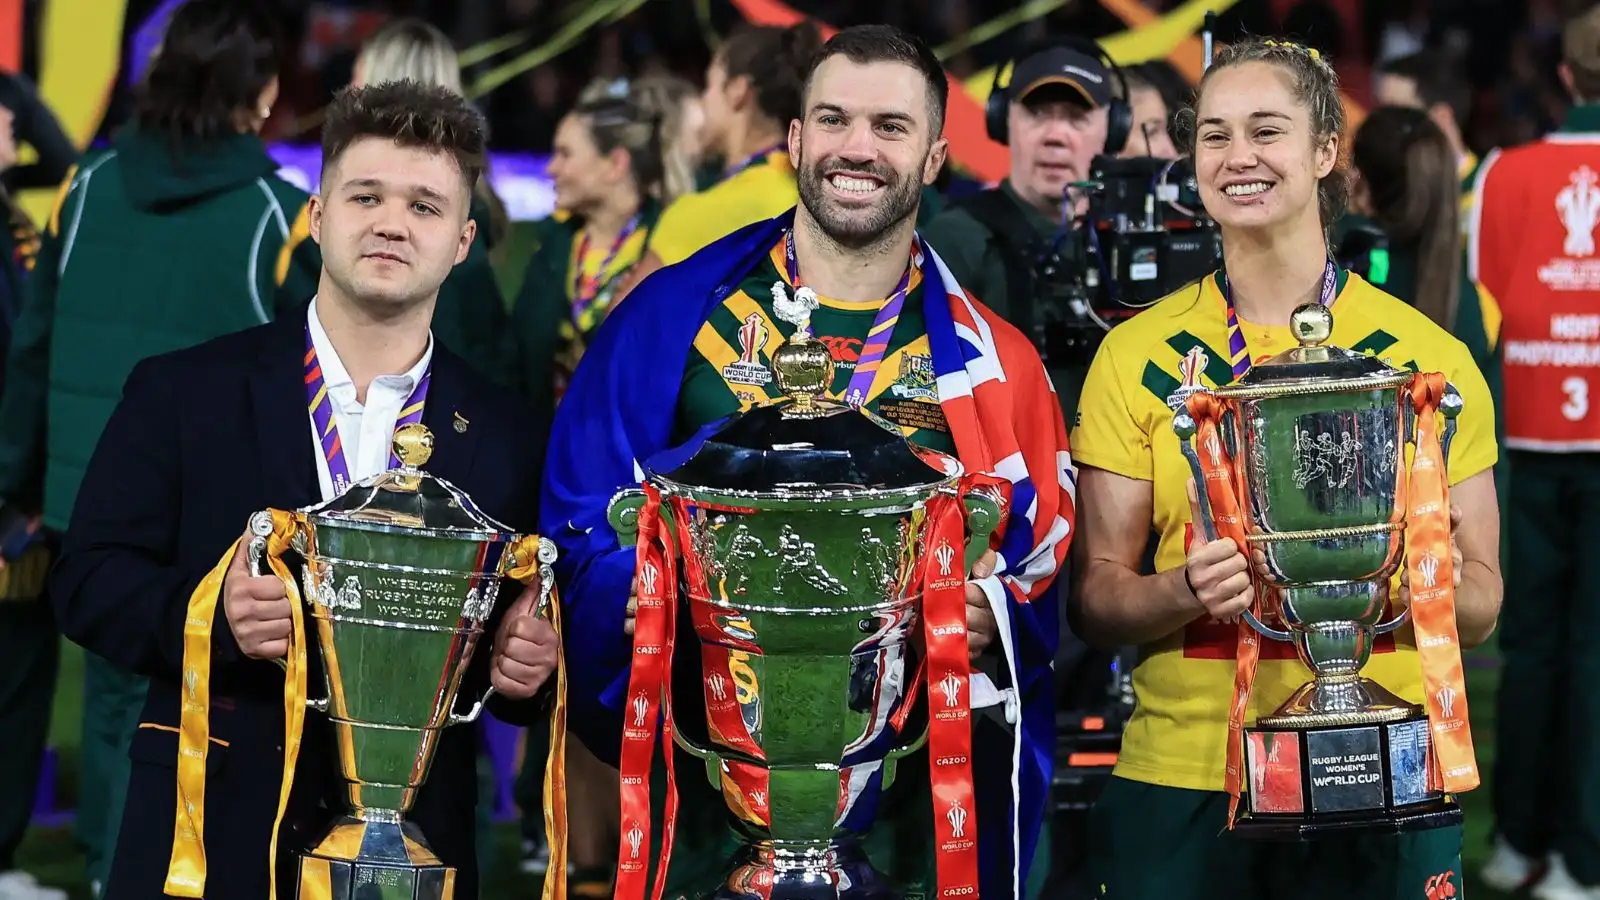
(207, 436)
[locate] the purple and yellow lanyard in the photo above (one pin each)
(754, 158)
(1238, 351)
(321, 407)
(584, 288)
(877, 342)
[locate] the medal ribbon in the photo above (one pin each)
(876, 345)
(1222, 489)
(586, 287)
(654, 626)
(321, 407)
(1430, 574)
(1238, 351)
(756, 157)
(948, 670)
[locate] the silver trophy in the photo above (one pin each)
(1317, 437)
(400, 574)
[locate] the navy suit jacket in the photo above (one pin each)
(201, 439)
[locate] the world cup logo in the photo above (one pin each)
(1214, 448)
(641, 706)
(950, 687)
(718, 686)
(957, 817)
(1428, 568)
(635, 839)
(945, 556)
(1447, 701)
(647, 579)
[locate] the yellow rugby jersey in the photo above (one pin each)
(758, 192)
(1183, 683)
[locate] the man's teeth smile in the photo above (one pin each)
(1246, 190)
(854, 185)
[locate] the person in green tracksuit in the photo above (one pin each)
(611, 164)
(471, 315)
(1403, 235)
(168, 238)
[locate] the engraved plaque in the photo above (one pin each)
(1346, 768)
(1408, 762)
(1275, 768)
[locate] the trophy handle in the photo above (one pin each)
(255, 554)
(1451, 406)
(1392, 624)
(623, 514)
(1185, 426)
(712, 760)
(472, 714)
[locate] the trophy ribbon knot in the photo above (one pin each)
(186, 869)
(1433, 596)
(1222, 486)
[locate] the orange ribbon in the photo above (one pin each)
(1222, 493)
(1430, 572)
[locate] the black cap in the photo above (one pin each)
(1085, 74)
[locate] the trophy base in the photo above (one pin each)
(1308, 778)
(374, 860)
(839, 872)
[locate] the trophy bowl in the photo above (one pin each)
(1313, 445)
(400, 574)
(800, 526)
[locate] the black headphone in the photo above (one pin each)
(1119, 115)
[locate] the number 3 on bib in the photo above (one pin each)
(1577, 405)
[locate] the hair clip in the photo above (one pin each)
(1291, 45)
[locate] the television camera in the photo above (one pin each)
(1145, 234)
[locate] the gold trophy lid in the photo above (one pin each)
(406, 497)
(1317, 361)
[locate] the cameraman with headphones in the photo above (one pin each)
(1057, 113)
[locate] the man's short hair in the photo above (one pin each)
(1439, 79)
(863, 44)
(1580, 50)
(411, 114)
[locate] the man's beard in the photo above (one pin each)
(858, 228)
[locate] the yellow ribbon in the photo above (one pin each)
(186, 870)
(525, 568)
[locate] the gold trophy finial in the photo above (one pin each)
(803, 368)
(413, 445)
(1312, 324)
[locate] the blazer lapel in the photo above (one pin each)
(283, 427)
(449, 414)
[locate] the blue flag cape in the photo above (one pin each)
(619, 411)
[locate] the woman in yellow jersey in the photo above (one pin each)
(1265, 142)
(752, 92)
(621, 153)
(471, 315)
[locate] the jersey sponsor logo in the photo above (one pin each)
(749, 369)
(845, 351)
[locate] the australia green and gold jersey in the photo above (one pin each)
(730, 370)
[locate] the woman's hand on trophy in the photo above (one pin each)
(1403, 601)
(982, 628)
(257, 608)
(526, 650)
(1217, 573)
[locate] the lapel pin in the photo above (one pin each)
(461, 423)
